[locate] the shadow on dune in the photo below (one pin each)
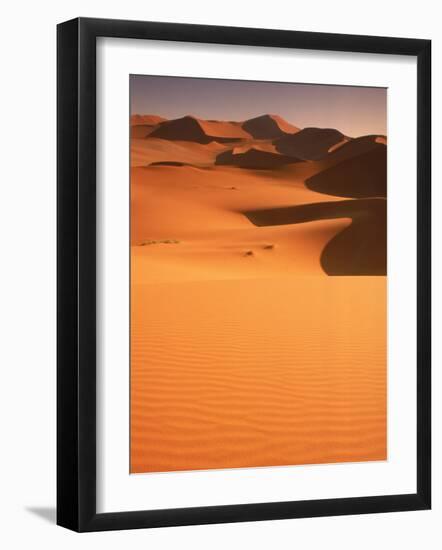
(361, 176)
(309, 143)
(355, 147)
(360, 249)
(170, 163)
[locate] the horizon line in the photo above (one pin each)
(167, 119)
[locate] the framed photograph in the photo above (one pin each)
(243, 274)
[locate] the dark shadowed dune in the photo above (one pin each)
(268, 127)
(360, 249)
(189, 128)
(309, 143)
(361, 176)
(254, 159)
(355, 147)
(181, 129)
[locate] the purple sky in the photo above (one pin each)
(355, 111)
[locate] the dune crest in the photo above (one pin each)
(149, 120)
(142, 126)
(189, 128)
(268, 127)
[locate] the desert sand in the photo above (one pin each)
(258, 294)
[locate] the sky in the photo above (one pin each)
(355, 111)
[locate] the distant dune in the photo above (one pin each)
(146, 151)
(150, 120)
(190, 128)
(141, 131)
(258, 294)
(268, 127)
(309, 143)
(142, 125)
(225, 130)
(354, 147)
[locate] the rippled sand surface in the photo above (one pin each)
(260, 372)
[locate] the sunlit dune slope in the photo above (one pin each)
(143, 125)
(148, 151)
(149, 120)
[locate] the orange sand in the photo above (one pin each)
(244, 351)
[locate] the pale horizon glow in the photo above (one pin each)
(353, 110)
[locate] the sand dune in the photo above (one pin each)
(221, 129)
(178, 201)
(309, 143)
(353, 147)
(204, 209)
(147, 151)
(353, 251)
(258, 305)
(142, 126)
(149, 120)
(141, 131)
(200, 131)
(364, 175)
(268, 127)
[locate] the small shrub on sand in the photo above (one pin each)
(248, 253)
(269, 246)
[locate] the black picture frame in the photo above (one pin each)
(76, 274)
